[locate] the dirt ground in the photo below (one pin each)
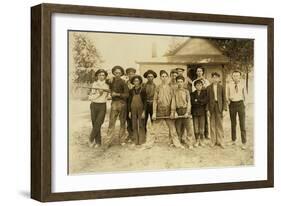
(83, 159)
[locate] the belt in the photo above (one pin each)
(99, 102)
(119, 100)
(236, 102)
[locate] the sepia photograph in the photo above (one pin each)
(149, 102)
(131, 102)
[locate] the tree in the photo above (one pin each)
(86, 58)
(240, 53)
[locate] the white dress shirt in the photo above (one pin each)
(215, 88)
(236, 92)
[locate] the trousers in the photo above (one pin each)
(98, 111)
(216, 124)
(234, 109)
(118, 110)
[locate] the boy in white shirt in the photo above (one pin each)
(98, 96)
(236, 96)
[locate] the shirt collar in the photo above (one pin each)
(101, 82)
(237, 82)
(137, 89)
(149, 82)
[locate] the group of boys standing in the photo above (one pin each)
(187, 107)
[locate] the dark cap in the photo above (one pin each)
(173, 71)
(101, 71)
(179, 69)
(130, 69)
(118, 67)
(149, 72)
(136, 77)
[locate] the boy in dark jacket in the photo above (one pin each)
(130, 72)
(150, 88)
(198, 110)
(216, 105)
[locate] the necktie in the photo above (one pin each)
(236, 87)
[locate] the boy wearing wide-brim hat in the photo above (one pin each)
(153, 73)
(115, 68)
(163, 110)
(188, 81)
(130, 72)
(136, 77)
(149, 87)
(101, 71)
(98, 96)
(119, 94)
(136, 109)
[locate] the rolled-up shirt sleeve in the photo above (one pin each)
(188, 101)
(155, 100)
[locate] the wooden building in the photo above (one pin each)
(192, 53)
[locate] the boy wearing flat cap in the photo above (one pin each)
(98, 96)
(130, 72)
(216, 105)
(119, 94)
(163, 110)
(149, 87)
(136, 109)
(180, 71)
(188, 81)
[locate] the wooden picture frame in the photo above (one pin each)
(41, 96)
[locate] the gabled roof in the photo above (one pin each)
(192, 51)
(196, 46)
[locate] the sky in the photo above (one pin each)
(126, 49)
